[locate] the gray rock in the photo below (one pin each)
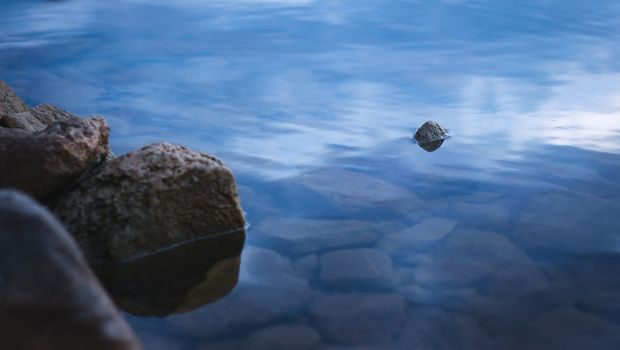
(44, 163)
(430, 132)
(9, 102)
(49, 299)
(307, 235)
(150, 199)
(284, 337)
(357, 267)
(417, 237)
(359, 319)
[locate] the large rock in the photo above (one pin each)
(44, 163)
(354, 268)
(49, 299)
(151, 199)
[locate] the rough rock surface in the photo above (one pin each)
(150, 199)
(9, 102)
(430, 132)
(49, 299)
(14, 113)
(43, 163)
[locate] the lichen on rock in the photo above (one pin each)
(150, 199)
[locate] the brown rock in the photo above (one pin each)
(49, 299)
(43, 163)
(151, 199)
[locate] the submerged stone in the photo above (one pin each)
(148, 200)
(361, 267)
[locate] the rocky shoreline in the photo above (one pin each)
(119, 211)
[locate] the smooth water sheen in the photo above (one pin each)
(506, 237)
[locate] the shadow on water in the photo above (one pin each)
(177, 280)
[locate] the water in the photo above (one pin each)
(506, 237)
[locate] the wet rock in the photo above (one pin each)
(417, 237)
(360, 267)
(267, 291)
(356, 319)
(49, 299)
(284, 337)
(44, 163)
(178, 279)
(150, 199)
(306, 235)
(431, 146)
(430, 132)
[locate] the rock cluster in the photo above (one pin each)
(162, 226)
(117, 209)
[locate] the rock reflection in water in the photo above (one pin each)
(176, 280)
(431, 146)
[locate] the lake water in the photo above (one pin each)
(506, 237)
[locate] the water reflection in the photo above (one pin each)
(505, 239)
(176, 280)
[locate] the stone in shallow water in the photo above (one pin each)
(284, 337)
(150, 199)
(417, 237)
(357, 191)
(44, 163)
(308, 235)
(440, 330)
(49, 299)
(429, 132)
(567, 222)
(267, 290)
(356, 268)
(359, 318)
(469, 257)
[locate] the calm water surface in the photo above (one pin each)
(506, 237)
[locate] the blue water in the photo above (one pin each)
(506, 237)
